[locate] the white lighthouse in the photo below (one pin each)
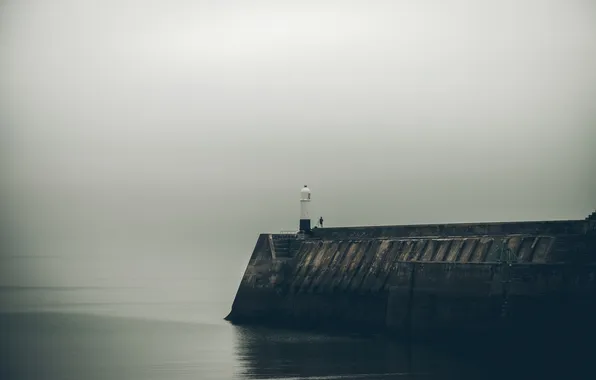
(304, 209)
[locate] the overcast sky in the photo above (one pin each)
(199, 121)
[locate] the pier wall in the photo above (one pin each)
(425, 280)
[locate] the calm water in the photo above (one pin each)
(185, 340)
(76, 346)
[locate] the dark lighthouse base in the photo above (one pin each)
(304, 225)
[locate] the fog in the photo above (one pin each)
(154, 140)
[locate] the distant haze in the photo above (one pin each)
(185, 128)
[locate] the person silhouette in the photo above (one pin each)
(321, 221)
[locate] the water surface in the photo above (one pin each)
(75, 346)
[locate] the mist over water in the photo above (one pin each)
(144, 145)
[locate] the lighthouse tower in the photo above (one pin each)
(304, 209)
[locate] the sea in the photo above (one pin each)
(161, 316)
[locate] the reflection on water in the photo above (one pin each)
(76, 346)
(265, 353)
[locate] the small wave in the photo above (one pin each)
(355, 376)
(6, 288)
(177, 366)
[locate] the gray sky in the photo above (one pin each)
(163, 122)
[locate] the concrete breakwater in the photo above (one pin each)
(425, 280)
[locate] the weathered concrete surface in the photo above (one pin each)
(425, 280)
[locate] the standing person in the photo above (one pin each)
(321, 221)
